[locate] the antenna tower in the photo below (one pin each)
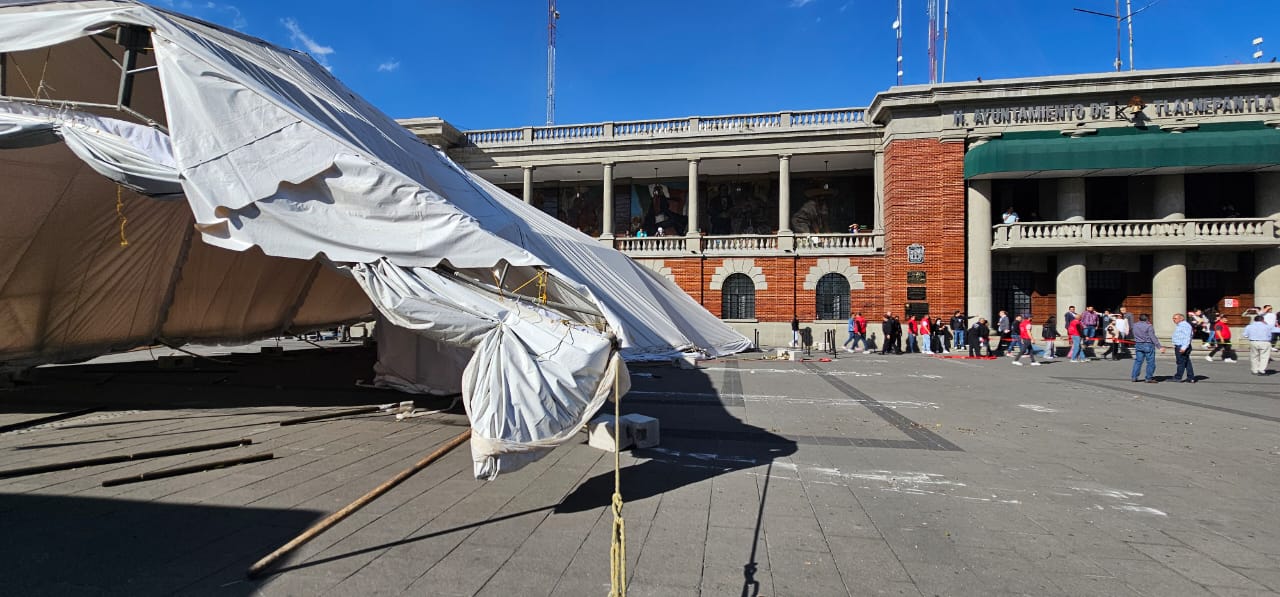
(933, 41)
(897, 29)
(553, 15)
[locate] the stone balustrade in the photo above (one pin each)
(1104, 234)
(837, 244)
(694, 125)
(748, 245)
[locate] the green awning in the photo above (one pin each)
(1228, 144)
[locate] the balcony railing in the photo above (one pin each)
(1217, 232)
(862, 243)
(678, 127)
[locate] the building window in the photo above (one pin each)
(738, 297)
(833, 297)
(1011, 292)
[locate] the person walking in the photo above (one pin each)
(1183, 334)
(795, 331)
(854, 336)
(886, 333)
(1145, 344)
(1113, 343)
(1050, 335)
(1222, 338)
(1258, 334)
(1074, 333)
(1127, 333)
(1003, 327)
(1121, 325)
(1089, 319)
(1024, 336)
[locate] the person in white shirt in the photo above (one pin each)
(1258, 334)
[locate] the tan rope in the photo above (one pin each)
(124, 240)
(618, 549)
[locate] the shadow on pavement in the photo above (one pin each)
(61, 545)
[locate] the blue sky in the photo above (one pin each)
(482, 63)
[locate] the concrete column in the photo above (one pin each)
(978, 242)
(1170, 198)
(784, 193)
(528, 184)
(1072, 286)
(606, 228)
(1266, 277)
(1071, 203)
(878, 203)
(1168, 290)
(693, 199)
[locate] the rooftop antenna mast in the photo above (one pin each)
(1120, 21)
(933, 41)
(553, 15)
(897, 28)
(946, 16)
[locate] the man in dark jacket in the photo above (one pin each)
(886, 333)
(977, 336)
(957, 330)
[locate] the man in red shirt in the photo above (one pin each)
(1024, 339)
(1074, 331)
(1222, 333)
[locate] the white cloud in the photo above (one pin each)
(298, 36)
(389, 66)
(799, 3)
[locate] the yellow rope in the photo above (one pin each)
(542, 286)
(618, 550)
(124, 240)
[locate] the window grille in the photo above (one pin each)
(738, 297)
(833, 297)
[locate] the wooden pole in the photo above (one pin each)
(42, 420)
(74, 464)
(186, 470)
(261, 566)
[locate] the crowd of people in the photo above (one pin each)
(1122, 334)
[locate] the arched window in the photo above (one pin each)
(833, 297)
(738, 298)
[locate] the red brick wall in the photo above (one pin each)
(924, 202)
(785, 295)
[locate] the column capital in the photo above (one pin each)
(784, 156)
(529, 168)
(694, 160)
(609, 164)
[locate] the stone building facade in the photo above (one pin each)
(1155, 190)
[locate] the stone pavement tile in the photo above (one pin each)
(1086, 584)
(735, 499)
(949, 580)
(525, 583)
(925, 545)
(717, 580)
(462, 572)
(670, 557)
(839, 512)
(1047, 553)
(805, 573)
(1005, 571)
(1223, 550)
(1268, 577)
(1196, 566)
(1233, 592)
(733, 548)
(1152, 578)
(797, 533)
(866, 562)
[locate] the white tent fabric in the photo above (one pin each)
(278, 159)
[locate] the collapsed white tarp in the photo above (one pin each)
(277, 158)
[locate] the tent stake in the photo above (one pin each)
(43, 420)
(186, 470)
(65, 466)
(261, 566)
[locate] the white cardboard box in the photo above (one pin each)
(642, 431)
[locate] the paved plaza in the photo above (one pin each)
(867, 475)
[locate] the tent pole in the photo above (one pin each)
(261, 566)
